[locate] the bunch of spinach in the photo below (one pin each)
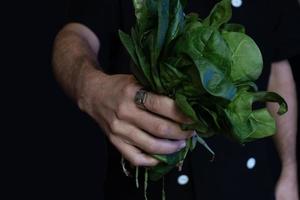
(208, 66)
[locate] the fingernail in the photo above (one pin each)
(182, 144)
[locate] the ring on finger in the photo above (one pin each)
(140, 98)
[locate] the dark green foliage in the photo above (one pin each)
(208, 66)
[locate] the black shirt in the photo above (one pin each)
(247, 172)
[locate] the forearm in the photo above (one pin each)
(282, 82)
(75, 58)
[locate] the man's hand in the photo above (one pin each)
(110, 100)
(133, 131)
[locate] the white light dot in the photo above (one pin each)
(251, 163)
(236, 3)
(183, 179)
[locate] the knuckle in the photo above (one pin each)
(122, 112)
(128, 90)
(153, 102)
(114, 126)
(130, 136)
(152, 147)
(162, 128)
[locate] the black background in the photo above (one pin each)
(52, 150)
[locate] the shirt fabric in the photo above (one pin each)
(273, 24)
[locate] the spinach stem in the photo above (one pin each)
(126, 172)
(163, 188)
(137, 177)
(202, 142)
(146, 184)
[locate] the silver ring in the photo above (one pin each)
(140, 98)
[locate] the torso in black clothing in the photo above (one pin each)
(239, 172)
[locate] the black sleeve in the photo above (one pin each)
(102, 17)
(287, 32)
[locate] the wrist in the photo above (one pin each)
(289, 169)
(89, 77)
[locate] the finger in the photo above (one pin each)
(156, 125)
(165, 106)
(132, 154)
(146, 141)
